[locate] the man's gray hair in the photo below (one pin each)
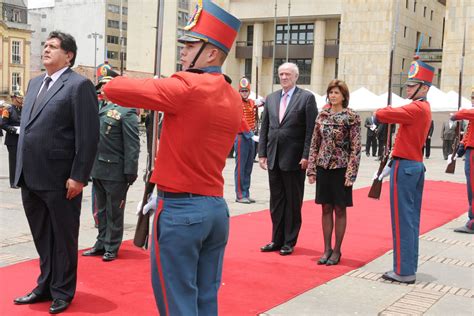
(292, 66)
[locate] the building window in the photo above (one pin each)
(405, 31)
(248, 68)
(182, 18)
(124, 11)
(112, 55)
(429, 41)
(113, 24)
(414, 6)
(43, 29)
(418, 37)
(407, 4)
(16, 81)
(304, 66)
(124, 55)
(112, 39)
(424, 12)
(403, 64)
(183, 4)
(124, 25)
(16, 56)
(431, 15)
(44, 16)
(300, 34)
(16, 16)
(113, 8)
(250, 35)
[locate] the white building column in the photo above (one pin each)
(257, 52)
(317, 68)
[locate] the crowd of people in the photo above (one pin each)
(70, 131)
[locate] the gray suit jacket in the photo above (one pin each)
(60, 140)
(288, 141)
(448, 133)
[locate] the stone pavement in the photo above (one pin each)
(446, 272)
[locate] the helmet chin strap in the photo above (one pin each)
(191, 65)
(416, 92)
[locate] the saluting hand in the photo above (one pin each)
(73, 188)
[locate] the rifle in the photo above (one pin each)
(376, 188)
(451, 167)
(143, 224)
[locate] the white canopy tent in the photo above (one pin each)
(452, 101)
(364, 100)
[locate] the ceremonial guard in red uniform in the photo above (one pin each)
(407, 174)
(202, 115)
(467, 147)
(244, 146)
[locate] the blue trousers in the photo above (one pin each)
(469, 172)
(189, 239)
(244, 154)
(406, 189)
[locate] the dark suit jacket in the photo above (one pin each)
(368, 123)
(289, 141)
(60, 140)
(448, 133)
(119, 144)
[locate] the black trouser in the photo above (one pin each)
(447, 148)
(428, 148)
(371, 142)
(111, 197)
(286, 199)
(381, 147)
(11, 163)
(54, 224)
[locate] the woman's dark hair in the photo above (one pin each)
(68, 43)
(342, 86)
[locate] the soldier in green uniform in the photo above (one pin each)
(115, 169)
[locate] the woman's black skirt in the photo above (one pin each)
(330, 187)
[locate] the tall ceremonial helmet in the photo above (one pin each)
(17, 94)
(101, 70)
(211, 24)
(420, 72)
(244, 84)
(107, 75)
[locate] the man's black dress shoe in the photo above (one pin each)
(109, 256)
(31, 298)
(286, 250)
(270, 247)
(93, 252)
(58, 306)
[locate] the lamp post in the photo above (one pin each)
(95, 35)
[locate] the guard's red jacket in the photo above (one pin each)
(414, 120)
(202, 116)
(467, 114)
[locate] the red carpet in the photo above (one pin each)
(253, 282)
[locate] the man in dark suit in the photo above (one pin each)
(114, 171)
(11, 117)
(448, 134)
(285, 137)
(371, 140)
(56, 150)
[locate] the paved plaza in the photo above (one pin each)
(446, 272)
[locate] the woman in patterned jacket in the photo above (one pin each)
(333, 164)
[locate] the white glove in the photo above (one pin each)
(17, 130)
(255, 138)
(151, 205)
(139, 207)
(385, 172)
(451, 158)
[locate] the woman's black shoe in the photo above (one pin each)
(323, 259)
(331, 262)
